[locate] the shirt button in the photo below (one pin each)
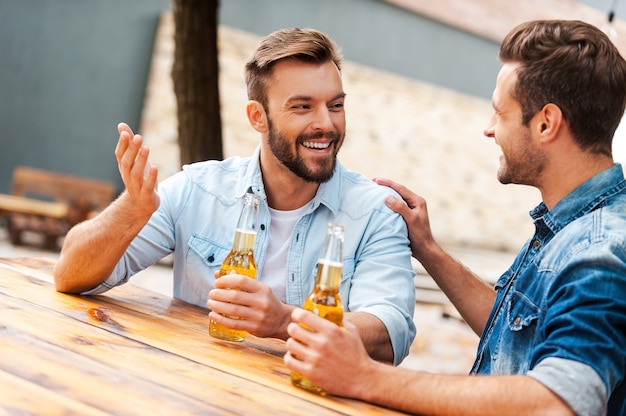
(537, 244)
(517, 320)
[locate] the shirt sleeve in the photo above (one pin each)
(577, 384)
(383, 284)
(585, 316)
(154, 241)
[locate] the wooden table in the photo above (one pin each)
(133, 351)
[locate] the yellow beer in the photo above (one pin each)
(240, 260)
(324, 300)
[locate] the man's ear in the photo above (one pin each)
(548, 122)
(257, 116)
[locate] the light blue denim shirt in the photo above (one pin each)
(198, 215)
(560, 311)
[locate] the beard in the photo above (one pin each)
(523, 164)
(322, 169)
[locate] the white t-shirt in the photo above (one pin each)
(275, 267)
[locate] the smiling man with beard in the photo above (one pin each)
(297, 106)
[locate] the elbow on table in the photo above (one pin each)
(62, 285)
(63, 280)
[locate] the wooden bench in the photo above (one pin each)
(48, 204)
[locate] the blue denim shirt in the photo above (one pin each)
(198, 215)
(560, 310)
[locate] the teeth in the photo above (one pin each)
(316, 145)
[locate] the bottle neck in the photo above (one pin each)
(328, 275)
(244, 240)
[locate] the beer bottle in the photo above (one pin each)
(240, 260)
(324, 300)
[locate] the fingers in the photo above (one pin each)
(128, 149)
(399, 188)
(132, 158)
(237, 281)
(301, 339)
(296, 354)
(122, 145)
(293, 357)
(410, 201)
(310, 320)
(311, 337)
(237, 295)
(126, 135)
(152, 177)
(123, 127)
(404, 192)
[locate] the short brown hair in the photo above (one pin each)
(307, 45)
(575, 66)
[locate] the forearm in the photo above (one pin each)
(92, 249)
(423, 393)
(472, 297)
(374, 335)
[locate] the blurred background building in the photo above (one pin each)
(419, 76)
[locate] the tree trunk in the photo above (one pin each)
(195, 75)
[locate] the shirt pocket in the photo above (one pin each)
(207, 252)
(522, 312)
(516, 336)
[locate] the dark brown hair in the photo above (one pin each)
(307, 45)
(577, 67)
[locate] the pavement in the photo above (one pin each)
(444, 343)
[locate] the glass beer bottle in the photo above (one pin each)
(240, 260)
(324, 300)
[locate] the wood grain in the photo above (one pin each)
(133, 351)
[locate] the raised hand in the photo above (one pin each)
(138, 175)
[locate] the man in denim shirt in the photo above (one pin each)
(553, 333)
(297, 106)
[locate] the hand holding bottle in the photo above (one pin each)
(240, 260)
(328, 355)
(257, 308)
(324, 299)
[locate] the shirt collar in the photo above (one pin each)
(585, 198)
(328, 193)
(252, 180)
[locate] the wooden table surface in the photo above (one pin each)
(133, 351)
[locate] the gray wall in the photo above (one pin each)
(381, 35)
(70, 70)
